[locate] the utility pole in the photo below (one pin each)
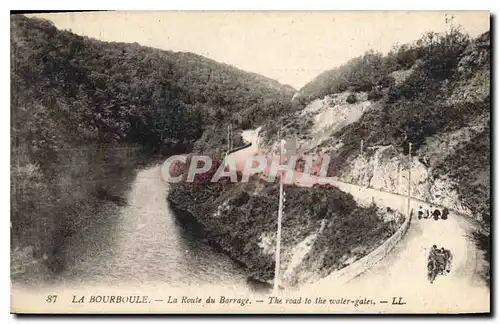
(231, 136)
(278, 233)
(399, 179)
(228, 139)
(409, 179)
(366, 164)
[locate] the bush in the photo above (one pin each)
(352, 98)
(358, 74)
(439, 54)
(375, 94)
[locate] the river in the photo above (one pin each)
(144, 243)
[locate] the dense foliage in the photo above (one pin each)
(411, 109)
(470, 167)
(86, 113)
(423, 104)
(115, 91)
(363, 73)
(370, 72)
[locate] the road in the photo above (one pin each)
(403, 271)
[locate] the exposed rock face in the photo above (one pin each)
(320, 119)
(387, 170)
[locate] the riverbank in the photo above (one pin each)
(141, 242)
(316, 239)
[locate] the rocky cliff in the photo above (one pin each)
(436, 96)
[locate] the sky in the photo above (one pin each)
(291, 47)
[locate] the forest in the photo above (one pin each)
(86, 113)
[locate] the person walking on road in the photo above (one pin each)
(446, 211)
(436, 214)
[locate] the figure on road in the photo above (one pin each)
(438, 261)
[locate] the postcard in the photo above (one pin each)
(212, 162)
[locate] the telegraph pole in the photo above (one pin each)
(399, 179)
(409, 179)
(366, 164)
(231, 136)
(228, 139)
(278, 233)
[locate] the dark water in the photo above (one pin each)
(145, 243)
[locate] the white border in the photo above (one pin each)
(188, 5)
(258, 5)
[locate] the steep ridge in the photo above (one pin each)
(434, 93)
(86, 113)
(440, 103)
(241, 218)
